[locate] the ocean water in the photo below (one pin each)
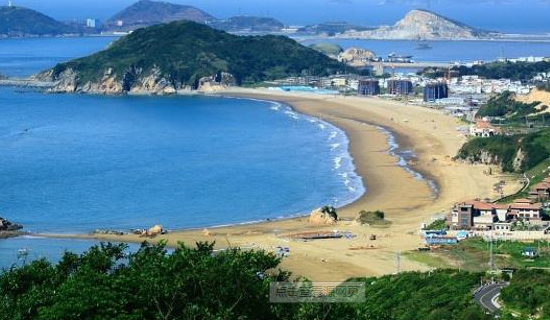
(447, 51)
(24, 57)
(75, 163)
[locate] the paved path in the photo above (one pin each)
(487, 295)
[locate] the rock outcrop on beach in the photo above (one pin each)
(422, 25)
(325, 216)
(193, 57)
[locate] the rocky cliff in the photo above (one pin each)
(422, 25)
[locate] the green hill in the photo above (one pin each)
(517, 153)
(177, 55)
(21, 22)
(505, 105)
(146, 13)
(523, 71)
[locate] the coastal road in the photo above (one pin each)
(486, 296)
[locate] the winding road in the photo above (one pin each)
(487, 295)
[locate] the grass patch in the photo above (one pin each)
(474, 254)
(428, 258)
(373, 218)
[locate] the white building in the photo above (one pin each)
(483, 129)
(91, 23)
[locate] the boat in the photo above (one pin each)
(423, 46)
(22, 253)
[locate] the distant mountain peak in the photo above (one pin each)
(16, 21)
(146, 13)
(421, 24)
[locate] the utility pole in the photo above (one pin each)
(491, 256)
(398, 262)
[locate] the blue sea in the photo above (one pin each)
(447, 51)
(75, 163)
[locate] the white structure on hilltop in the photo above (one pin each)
(483, 128)
(10, 3)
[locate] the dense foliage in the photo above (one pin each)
(535, 148)
(187, 51)
(442, 294)
(505, 104)
(188, 284)
(529, 293)
(523, 71)
(439, 224)
(18, 21)
(105, 283)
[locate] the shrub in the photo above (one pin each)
(373, 217)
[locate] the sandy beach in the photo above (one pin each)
(406, 200)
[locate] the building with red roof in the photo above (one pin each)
(479, 215)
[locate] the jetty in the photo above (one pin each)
(9, 229)
(25, 82)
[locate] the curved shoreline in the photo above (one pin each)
(391, 188)
(346, 141)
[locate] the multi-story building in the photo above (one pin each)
(482, 128)
(541, 191)
(399, 87)
(434, 91)
(369, 87)
(479, 215)
(524, 210)
(91, 23)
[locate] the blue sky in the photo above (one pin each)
(501, 15)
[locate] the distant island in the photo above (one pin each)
(422, 25)
(145, 13)
(186, 55)
(331, 29)
(22, 22)
(250, 24)
(416, 25)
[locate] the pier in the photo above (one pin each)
(22, 82)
